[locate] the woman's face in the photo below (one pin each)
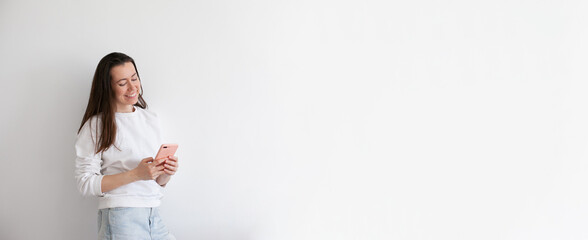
(126, 85)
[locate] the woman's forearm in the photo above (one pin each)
(110, 182)
(163, 179)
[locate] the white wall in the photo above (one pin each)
(313, 119)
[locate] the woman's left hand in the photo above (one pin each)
(171, 165)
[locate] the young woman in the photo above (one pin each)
(116, 143)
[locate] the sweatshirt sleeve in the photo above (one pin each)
(88, 162)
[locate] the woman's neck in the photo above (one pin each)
(125, 109)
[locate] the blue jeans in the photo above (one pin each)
(131, 223)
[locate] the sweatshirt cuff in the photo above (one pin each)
(98, 186)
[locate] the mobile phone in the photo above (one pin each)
(166, 150)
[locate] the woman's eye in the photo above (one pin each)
(122, 85)
(134, 79)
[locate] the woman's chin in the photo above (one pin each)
(132, 101)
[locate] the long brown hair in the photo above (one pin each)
(101, 103)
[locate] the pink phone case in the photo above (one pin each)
(166, 150)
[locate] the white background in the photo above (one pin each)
(312, 119)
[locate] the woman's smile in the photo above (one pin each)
(133, 95)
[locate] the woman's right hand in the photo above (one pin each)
(149, 169)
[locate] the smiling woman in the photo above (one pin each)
(113, 162)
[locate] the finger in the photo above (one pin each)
(156, 168)
(160, 161)
(169, 172)
(174, 158)
(170, 167)
(147, 160)
(170, 163)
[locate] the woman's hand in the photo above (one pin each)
(149, 169)
(170, 166)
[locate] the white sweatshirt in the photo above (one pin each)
(138, 136)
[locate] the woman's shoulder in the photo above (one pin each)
(93, 124)
(93, 121)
